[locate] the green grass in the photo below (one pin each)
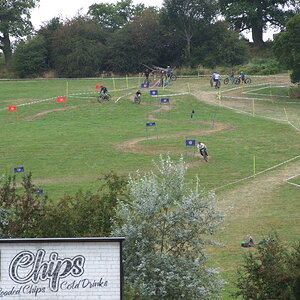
(68, 149)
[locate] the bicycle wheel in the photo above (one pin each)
(226, 80)
(173, 77)
(108, 97)
(248, 81)
(237, 81)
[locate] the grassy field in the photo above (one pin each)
(251, 130)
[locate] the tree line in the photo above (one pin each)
(123, 37)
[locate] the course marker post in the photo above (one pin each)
(114, 84)
(151, 124)
(61, 100)
(219, 95)
(127, 81)
(214, 119)
(164, 101)
(254, 165)
(13, 109)
(286, 114)
(144, 85)
(19, 170)
(190, 144)
(67, 89)
(253, 108)
(189, 88)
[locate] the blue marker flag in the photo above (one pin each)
(153, 92)
(144, 85)
(19, 170)
(190, 142)
(164, 100)
(150, 124)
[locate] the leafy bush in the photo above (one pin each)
(86, 213)
(263, 67)
(21, 210)
(167, 226)
(270, 271)
(29, 59)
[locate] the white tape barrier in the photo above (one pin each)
(292, 183)
(261, 172)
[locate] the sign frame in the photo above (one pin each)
(68, 243)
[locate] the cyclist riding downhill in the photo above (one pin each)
(138, 97)
(202, 150)
(103, 94)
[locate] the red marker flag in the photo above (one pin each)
(98, 87)
(12, 108)
(61, 99)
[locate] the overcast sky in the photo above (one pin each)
(49, 9)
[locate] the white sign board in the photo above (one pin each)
(64, 269)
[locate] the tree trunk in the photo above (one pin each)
(257, 36)
(7, 50)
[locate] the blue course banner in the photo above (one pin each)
(153, 92)
(19, 170)
(190, 142)
(144, 85)
(164, 100)
(150, 124)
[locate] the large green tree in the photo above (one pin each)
(78, 48)
(14, 22)
(287, 47)
(257, 15)
(114, 16)
(167, 225)
(185, 17)
(140, 42)
(29, 59)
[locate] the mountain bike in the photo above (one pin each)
(104, 97)
(204, 154)
(137, 99)
(173, 77)
(147, 81)
(246, 81)
(235, 80)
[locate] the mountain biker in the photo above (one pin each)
(163, 78)
(202, 148)
(147, 74)
(103, 90)
(168, 72)
(138, 96)
(217, 79)
(242, 76)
